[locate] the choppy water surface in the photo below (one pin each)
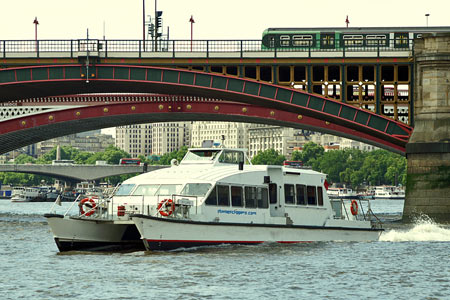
(409, 262)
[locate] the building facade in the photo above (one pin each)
(228, 134)
(135, 139)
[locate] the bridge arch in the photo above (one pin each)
(31, 129)
(42, 81)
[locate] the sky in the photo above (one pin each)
(230, 19)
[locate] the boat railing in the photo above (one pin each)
(100, 207)
(341, 206)
(174, 198)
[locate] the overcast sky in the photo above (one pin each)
(230, 19)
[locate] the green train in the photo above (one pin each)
(338, 38)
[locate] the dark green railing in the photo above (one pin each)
(173, 47)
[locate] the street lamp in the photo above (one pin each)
(36, 23)
(191, 20)
(427, 15)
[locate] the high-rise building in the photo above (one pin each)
(135, 139)
(263, 137)
(231, 134)
(170, 136)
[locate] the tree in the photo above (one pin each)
(178, 155)
(311, 151)
(268, 157)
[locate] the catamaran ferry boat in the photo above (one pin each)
(216, 196)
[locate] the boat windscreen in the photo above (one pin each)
(196, 189)
(124, 190)
(146, 190)
(201, 155)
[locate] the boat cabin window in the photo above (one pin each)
(223, 195)
(124, 190)
(236, 196)
(146, 190)
(196, 189)
(319, 196)
(311, 191)
(301, 194)
(250, 197)
(231, 157)
(212, 198)
(289, 194)
(157, 189)
(262, 196)
(273, 193)
(255, 197)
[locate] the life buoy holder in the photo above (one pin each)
(354, 207)
(90, 204)
(166, 207)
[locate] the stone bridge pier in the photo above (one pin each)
(428, 150)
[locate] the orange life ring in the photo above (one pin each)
(166, 207)
(354, 207)
(92, 206)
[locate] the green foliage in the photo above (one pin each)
(268, 157)
(311, 152)
(178, 155)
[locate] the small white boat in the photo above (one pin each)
(215, 196)
(389, 192)
(26, 194)
(341, 193)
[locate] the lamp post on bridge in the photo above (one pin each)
(426, 16)
(36, 23)
(191, 20)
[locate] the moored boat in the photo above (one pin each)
(341, 193)
(389, 192)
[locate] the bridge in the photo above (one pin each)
(76, 173)
(370, 91)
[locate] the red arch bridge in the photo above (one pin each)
(193, 96)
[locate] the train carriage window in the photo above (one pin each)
(302, 40)
(212, 197)
(401, 40)
(250, 197)
(223, 195)
(285, 40)
(301, 194)
(311, 191)
(327, 40)
(236, 196)
(289, 194)
(374, 40)
(320, 195)
(353, 40)
(262, 197)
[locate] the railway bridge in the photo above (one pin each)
(368, 93)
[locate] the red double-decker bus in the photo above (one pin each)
(130, 161)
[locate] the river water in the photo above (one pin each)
(409, 262)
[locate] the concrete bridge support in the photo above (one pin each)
(428, 150)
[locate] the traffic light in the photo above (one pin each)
(158, 20)
(151, 29)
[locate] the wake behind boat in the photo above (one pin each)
(215, 196)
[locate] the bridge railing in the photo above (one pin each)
(173, 48)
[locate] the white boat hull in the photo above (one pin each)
(93, 234)
(167, 234)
